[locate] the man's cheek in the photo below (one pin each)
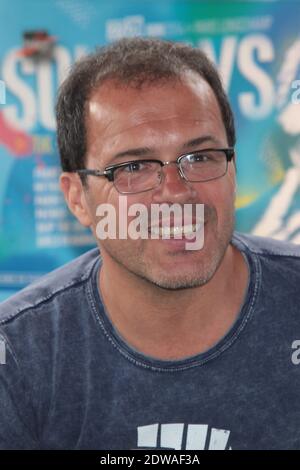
(232, 181)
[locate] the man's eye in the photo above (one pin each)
(200, 158)
(134, 167)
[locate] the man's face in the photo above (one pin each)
(162, 118)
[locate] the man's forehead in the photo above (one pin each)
(114, 90)
(114, 108)
(158, 134)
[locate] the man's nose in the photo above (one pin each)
(173, 186)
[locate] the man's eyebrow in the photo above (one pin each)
(135, 152)
(147, 151)
(199, 141)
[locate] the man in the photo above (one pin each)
(153, 345)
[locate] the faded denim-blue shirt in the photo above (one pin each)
(68, 380)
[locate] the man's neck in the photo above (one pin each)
(169, 324)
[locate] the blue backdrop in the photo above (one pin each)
(256, 46)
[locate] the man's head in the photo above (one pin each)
(146, 98)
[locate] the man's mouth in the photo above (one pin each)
(175, 230)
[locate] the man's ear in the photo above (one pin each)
(74, 194)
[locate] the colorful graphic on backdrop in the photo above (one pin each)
(258, 56)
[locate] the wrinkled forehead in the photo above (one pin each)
(116, 112)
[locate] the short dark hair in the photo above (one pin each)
(130, 61)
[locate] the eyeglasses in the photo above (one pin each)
(137, 176)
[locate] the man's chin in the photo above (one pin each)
(172, 280)
(179, 284)
(184, 272)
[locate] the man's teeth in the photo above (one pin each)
(176, 230)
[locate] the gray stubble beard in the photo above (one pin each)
(144, 270)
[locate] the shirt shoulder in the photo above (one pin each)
(49, 286)
(265, 246)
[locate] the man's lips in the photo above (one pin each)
(174, 229)
(182, 220)
(176, 223)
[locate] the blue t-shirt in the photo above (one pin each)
(68, 380)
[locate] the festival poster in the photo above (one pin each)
(256, 47)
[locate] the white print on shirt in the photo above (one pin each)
(170, 436)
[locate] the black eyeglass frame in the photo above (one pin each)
(109, 171)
